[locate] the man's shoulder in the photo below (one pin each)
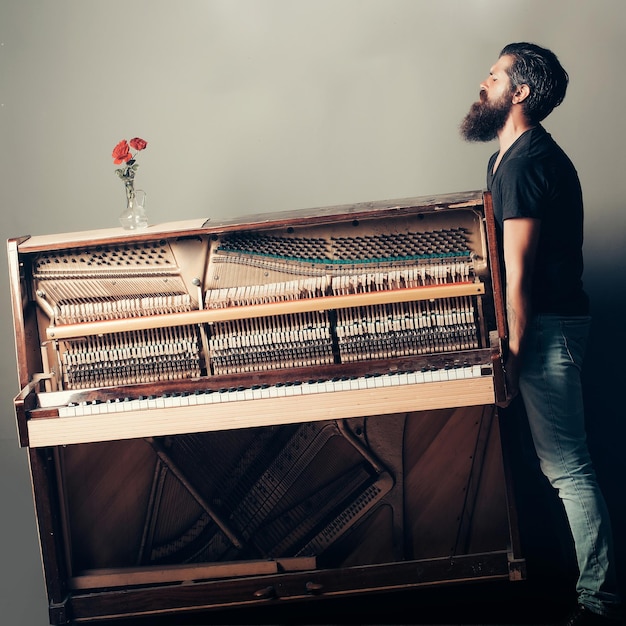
(535, 152)
(519, 165)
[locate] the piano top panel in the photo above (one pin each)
(185, 228)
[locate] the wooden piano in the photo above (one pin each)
(295, 407)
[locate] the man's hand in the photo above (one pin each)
(511, 381)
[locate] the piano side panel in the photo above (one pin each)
(28, 356)
(49, 509)
(495, 269)
(18, 303)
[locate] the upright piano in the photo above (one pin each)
(284, 409)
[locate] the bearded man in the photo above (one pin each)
(538, 206)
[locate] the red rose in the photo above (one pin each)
(121, 152)
(138, 144)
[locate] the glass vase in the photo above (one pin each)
(134, 216)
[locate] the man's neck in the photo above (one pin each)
(513, 129)
(515, 126)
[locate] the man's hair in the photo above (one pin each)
(540, 69)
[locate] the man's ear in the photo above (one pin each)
(521, 93)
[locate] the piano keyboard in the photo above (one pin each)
(262, 405)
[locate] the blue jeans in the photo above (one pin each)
(550, 386)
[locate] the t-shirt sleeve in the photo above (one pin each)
(522, 188)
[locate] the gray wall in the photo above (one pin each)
(263, 105)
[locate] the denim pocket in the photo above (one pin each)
(575, 333)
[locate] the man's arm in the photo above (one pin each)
(519, 237)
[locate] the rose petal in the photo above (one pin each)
(138, 144)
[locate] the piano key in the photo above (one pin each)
(257, 392)
(280, 404)
(352, 387)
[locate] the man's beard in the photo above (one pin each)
(485, 119)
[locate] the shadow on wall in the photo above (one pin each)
(603, 377)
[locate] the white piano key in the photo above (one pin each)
(291, 390)
(439, 375)
(327, 387)
(130, 405)
(67, 411)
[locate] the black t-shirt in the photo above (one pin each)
(535, 178)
